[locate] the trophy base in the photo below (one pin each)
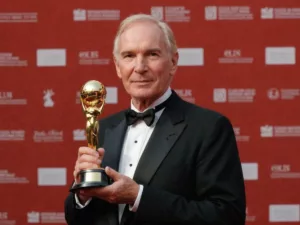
(92, 178)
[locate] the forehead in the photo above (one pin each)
(142, 34)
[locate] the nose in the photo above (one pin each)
(140, 65)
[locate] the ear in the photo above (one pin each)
(174, 61)
(117, 67)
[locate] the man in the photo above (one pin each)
(182, 167)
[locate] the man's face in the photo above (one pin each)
(144, 63)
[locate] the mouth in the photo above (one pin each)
(141, 81)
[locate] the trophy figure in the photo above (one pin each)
(92, 97)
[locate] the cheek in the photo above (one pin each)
(126, 71)
(161, 72)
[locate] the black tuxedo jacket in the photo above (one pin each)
(190, 169)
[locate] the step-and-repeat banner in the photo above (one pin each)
(236, 57)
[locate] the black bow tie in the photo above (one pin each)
(148, 116)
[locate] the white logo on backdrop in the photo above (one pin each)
(48, 102)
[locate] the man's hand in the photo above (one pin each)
(122, 190)
(87, 159)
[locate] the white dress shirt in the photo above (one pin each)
(136, 139)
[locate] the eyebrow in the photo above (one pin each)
(147, 51)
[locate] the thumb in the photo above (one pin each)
(112, 173)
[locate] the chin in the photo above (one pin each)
(142, 93)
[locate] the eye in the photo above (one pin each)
(128, 56)
(153, 54)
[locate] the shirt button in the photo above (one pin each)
(130, 164)
(135, 141)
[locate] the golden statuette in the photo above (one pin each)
(92, 97)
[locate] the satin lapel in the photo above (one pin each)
(113, 143)
(166, 132)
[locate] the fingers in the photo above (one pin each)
(124, 190)
(88, 158)
(86, 166)
(75, 175)
(87, 151)
(101, 152)
(104, 193)
(112, 173)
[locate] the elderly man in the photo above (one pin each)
(174, 162)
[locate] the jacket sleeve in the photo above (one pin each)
(76, 216)
(219, 187)
(95, 213)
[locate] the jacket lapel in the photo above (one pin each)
(167, 130)
(113, 143)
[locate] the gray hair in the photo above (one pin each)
(167, 31)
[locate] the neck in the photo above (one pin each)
(142, 104)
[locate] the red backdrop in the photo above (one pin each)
(239, 58)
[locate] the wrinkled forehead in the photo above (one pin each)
(142, 35)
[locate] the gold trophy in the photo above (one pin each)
(92, 97)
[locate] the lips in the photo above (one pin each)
(141, 81)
